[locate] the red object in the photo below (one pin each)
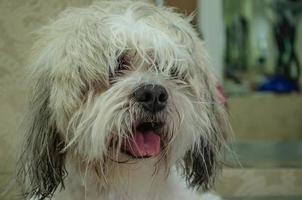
(221, 95)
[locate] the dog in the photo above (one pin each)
(122, 106)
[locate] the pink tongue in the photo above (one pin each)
(143, 144)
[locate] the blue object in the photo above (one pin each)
(278, 84)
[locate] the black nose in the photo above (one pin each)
(153, 98)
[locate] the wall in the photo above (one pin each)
(211, 25)
(18, 19)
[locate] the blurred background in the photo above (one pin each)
(256, 51)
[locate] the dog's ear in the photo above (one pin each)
(203, 160)
(41, 164)
(201, 165)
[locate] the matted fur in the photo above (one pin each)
(86, 65)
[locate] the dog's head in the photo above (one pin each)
(120, 82)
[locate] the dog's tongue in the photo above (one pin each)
(143, 144)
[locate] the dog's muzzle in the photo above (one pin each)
(145, 139)
(153, 98)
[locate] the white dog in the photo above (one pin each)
(122, 107)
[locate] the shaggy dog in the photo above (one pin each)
(122, 106)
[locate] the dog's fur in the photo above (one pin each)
(86, 66)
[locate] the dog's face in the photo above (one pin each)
(120, 82)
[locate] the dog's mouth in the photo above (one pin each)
(145, 140)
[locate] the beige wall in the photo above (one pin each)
(18, 18)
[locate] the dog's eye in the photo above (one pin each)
(176, 74)
(123, 65)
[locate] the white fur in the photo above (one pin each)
(79, 104)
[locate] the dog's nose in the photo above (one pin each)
(153, 98)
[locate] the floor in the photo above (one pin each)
(266, 154)
(268, 198)
(258, 170)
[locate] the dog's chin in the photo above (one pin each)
(145, 141)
